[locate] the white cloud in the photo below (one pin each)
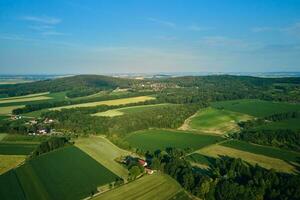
(42, 20)
(162, 22)
(293, 29)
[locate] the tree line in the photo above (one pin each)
(227, 178)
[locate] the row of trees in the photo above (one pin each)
(227, 178)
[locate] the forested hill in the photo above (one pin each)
(86, 83)
(82, 85)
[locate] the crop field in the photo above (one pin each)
(256, 108)
(9, 148)
(263, 150)
(216, 121)
(108, 102)
(29, 99)
(154, 139)
(67, 173)
(156, 186)
(264, 161)
(103, 151)
(10, 161)
(10, 187)
(7, 110)
(130, 109)
(25, 96)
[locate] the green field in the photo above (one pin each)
(263, 150)
(154, 139)
(113, 102)
(199, 158)
(255, 107)
(156, 186)
(216, 121)
(8, 148)
(7, 110)
(103, 151)
(130, 109)
(25, 96)
(67, 173)
(284, 124)
(23, 138)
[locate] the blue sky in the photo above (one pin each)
(128, 36)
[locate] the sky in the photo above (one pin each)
(148, 36)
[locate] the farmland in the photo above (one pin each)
(103, 151)
(264, 161)
(66, 173)
(130, 109)
(284, 124)
(154, 139)
(7, 148)
(216, 121)
(263, 150)
(10, 161)
(108, 102)
(28, 99)
(256, 108)
(7, 110)
(157, 186)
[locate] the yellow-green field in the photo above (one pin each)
(25, 96)
(210, 120)
(29, 99)
(264, 161)
(7, 110)
(150, 187)
(8, 162)
(103, 151)
(108, 102)
(129, 109)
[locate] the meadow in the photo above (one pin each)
(216, 121)
(103, 151)
(201, 159)
(284, 124)
(255, 107)
(108, 102)
(129, 109)
(66, 173)
(7, 110)
(156, 186)
(263, 150)
(252, 158)
(154, 139)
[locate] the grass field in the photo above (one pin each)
(108, 102)
(67, 173)
(2, 136)
(255, 107)
(10, 161)
(7, 110)
(9, 148)
(23, 138)
(285, 124)
(156, 186)
(201, 159)
(130, 109)
(264, 161)
(154, 139)
(216, 121)
(263, 150)
(103, 151)
(10, 187)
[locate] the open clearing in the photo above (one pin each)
(154, 139)
(130, 109)
(7, 110)
(264, 161)
(103, 151)
(263, 150)
(113, 102)
(216, 121)
(255, 107)
(66, 173)
(156, 186)
(10, 161)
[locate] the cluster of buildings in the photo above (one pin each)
(129, 160)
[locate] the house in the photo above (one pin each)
(149, 171)
(15, 117)
(142, 162)
(33, 122)
(42, 131)
(48, 121)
